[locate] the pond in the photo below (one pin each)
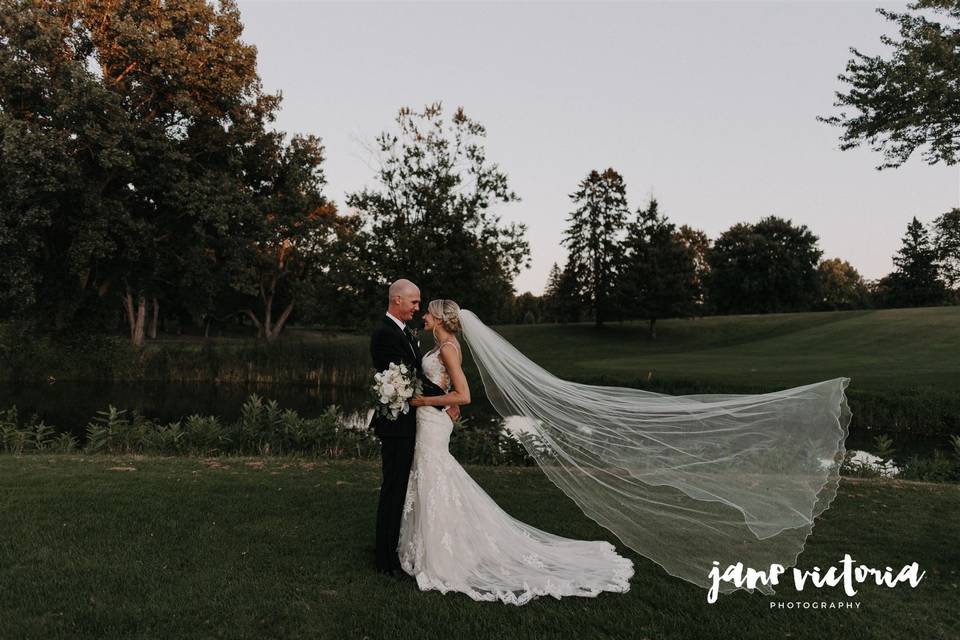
(69, 406)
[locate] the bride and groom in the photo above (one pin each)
(686, 481)
(433, 521)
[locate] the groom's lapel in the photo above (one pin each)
(413, 347)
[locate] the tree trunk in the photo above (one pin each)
(266, 329)
(653, 328)
(141, 321)
(153, 319)
(256, 322)
(136, 318)
(275, 331)
(128, 308)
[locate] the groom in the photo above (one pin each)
(393, 342)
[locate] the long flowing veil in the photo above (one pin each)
(682, 480)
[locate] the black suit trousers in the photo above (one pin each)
(397, 458)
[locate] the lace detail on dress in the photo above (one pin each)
(433, 367)
(454, 537)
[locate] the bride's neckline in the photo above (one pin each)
(437, 348)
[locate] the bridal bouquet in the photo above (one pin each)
(392, 388)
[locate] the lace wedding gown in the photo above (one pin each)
(454, 537)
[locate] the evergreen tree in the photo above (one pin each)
(593, 240)
(561, 300)
(659, 276)
(916, 280)
(551, 295)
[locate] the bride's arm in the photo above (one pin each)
(461, 391)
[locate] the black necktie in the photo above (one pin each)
(409, 335)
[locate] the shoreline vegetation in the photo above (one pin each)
(902, 362)
(265, 429)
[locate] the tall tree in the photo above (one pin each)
(909, 99)
(63, 139)
(561, 302)
(299, 229)
(527, 309)
(767, 267)
(342, 285)
(593, 239)
(659, 277)
(916, 280)
(432, 218)
(181, 72)
(143, 185)
(551, 293)
(841, 286)
(697, 245)
(947, 245)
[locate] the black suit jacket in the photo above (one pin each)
(388, 344)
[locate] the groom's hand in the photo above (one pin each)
(454, 412)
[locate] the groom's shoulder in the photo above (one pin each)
(380, 329)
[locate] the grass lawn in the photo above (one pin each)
(884, 349)
(151, 547)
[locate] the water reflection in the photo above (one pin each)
(357, 420)
(867, 460)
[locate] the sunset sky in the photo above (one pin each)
(710, 107)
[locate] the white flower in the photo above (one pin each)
(392, 388)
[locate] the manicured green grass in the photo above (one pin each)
(885, 349)
(151, 547)
(903, 364)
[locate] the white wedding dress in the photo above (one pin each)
(454, 537)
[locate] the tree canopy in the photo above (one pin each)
(910, 98)
(766, 267)
(433, 217)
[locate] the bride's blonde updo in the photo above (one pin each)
(447, 313)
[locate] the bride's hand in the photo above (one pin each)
(419, 401)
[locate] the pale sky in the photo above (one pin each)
(708, 106)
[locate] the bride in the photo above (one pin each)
(690, 482)
(454, 537)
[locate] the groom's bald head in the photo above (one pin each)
(404, 299)
(403, 287)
